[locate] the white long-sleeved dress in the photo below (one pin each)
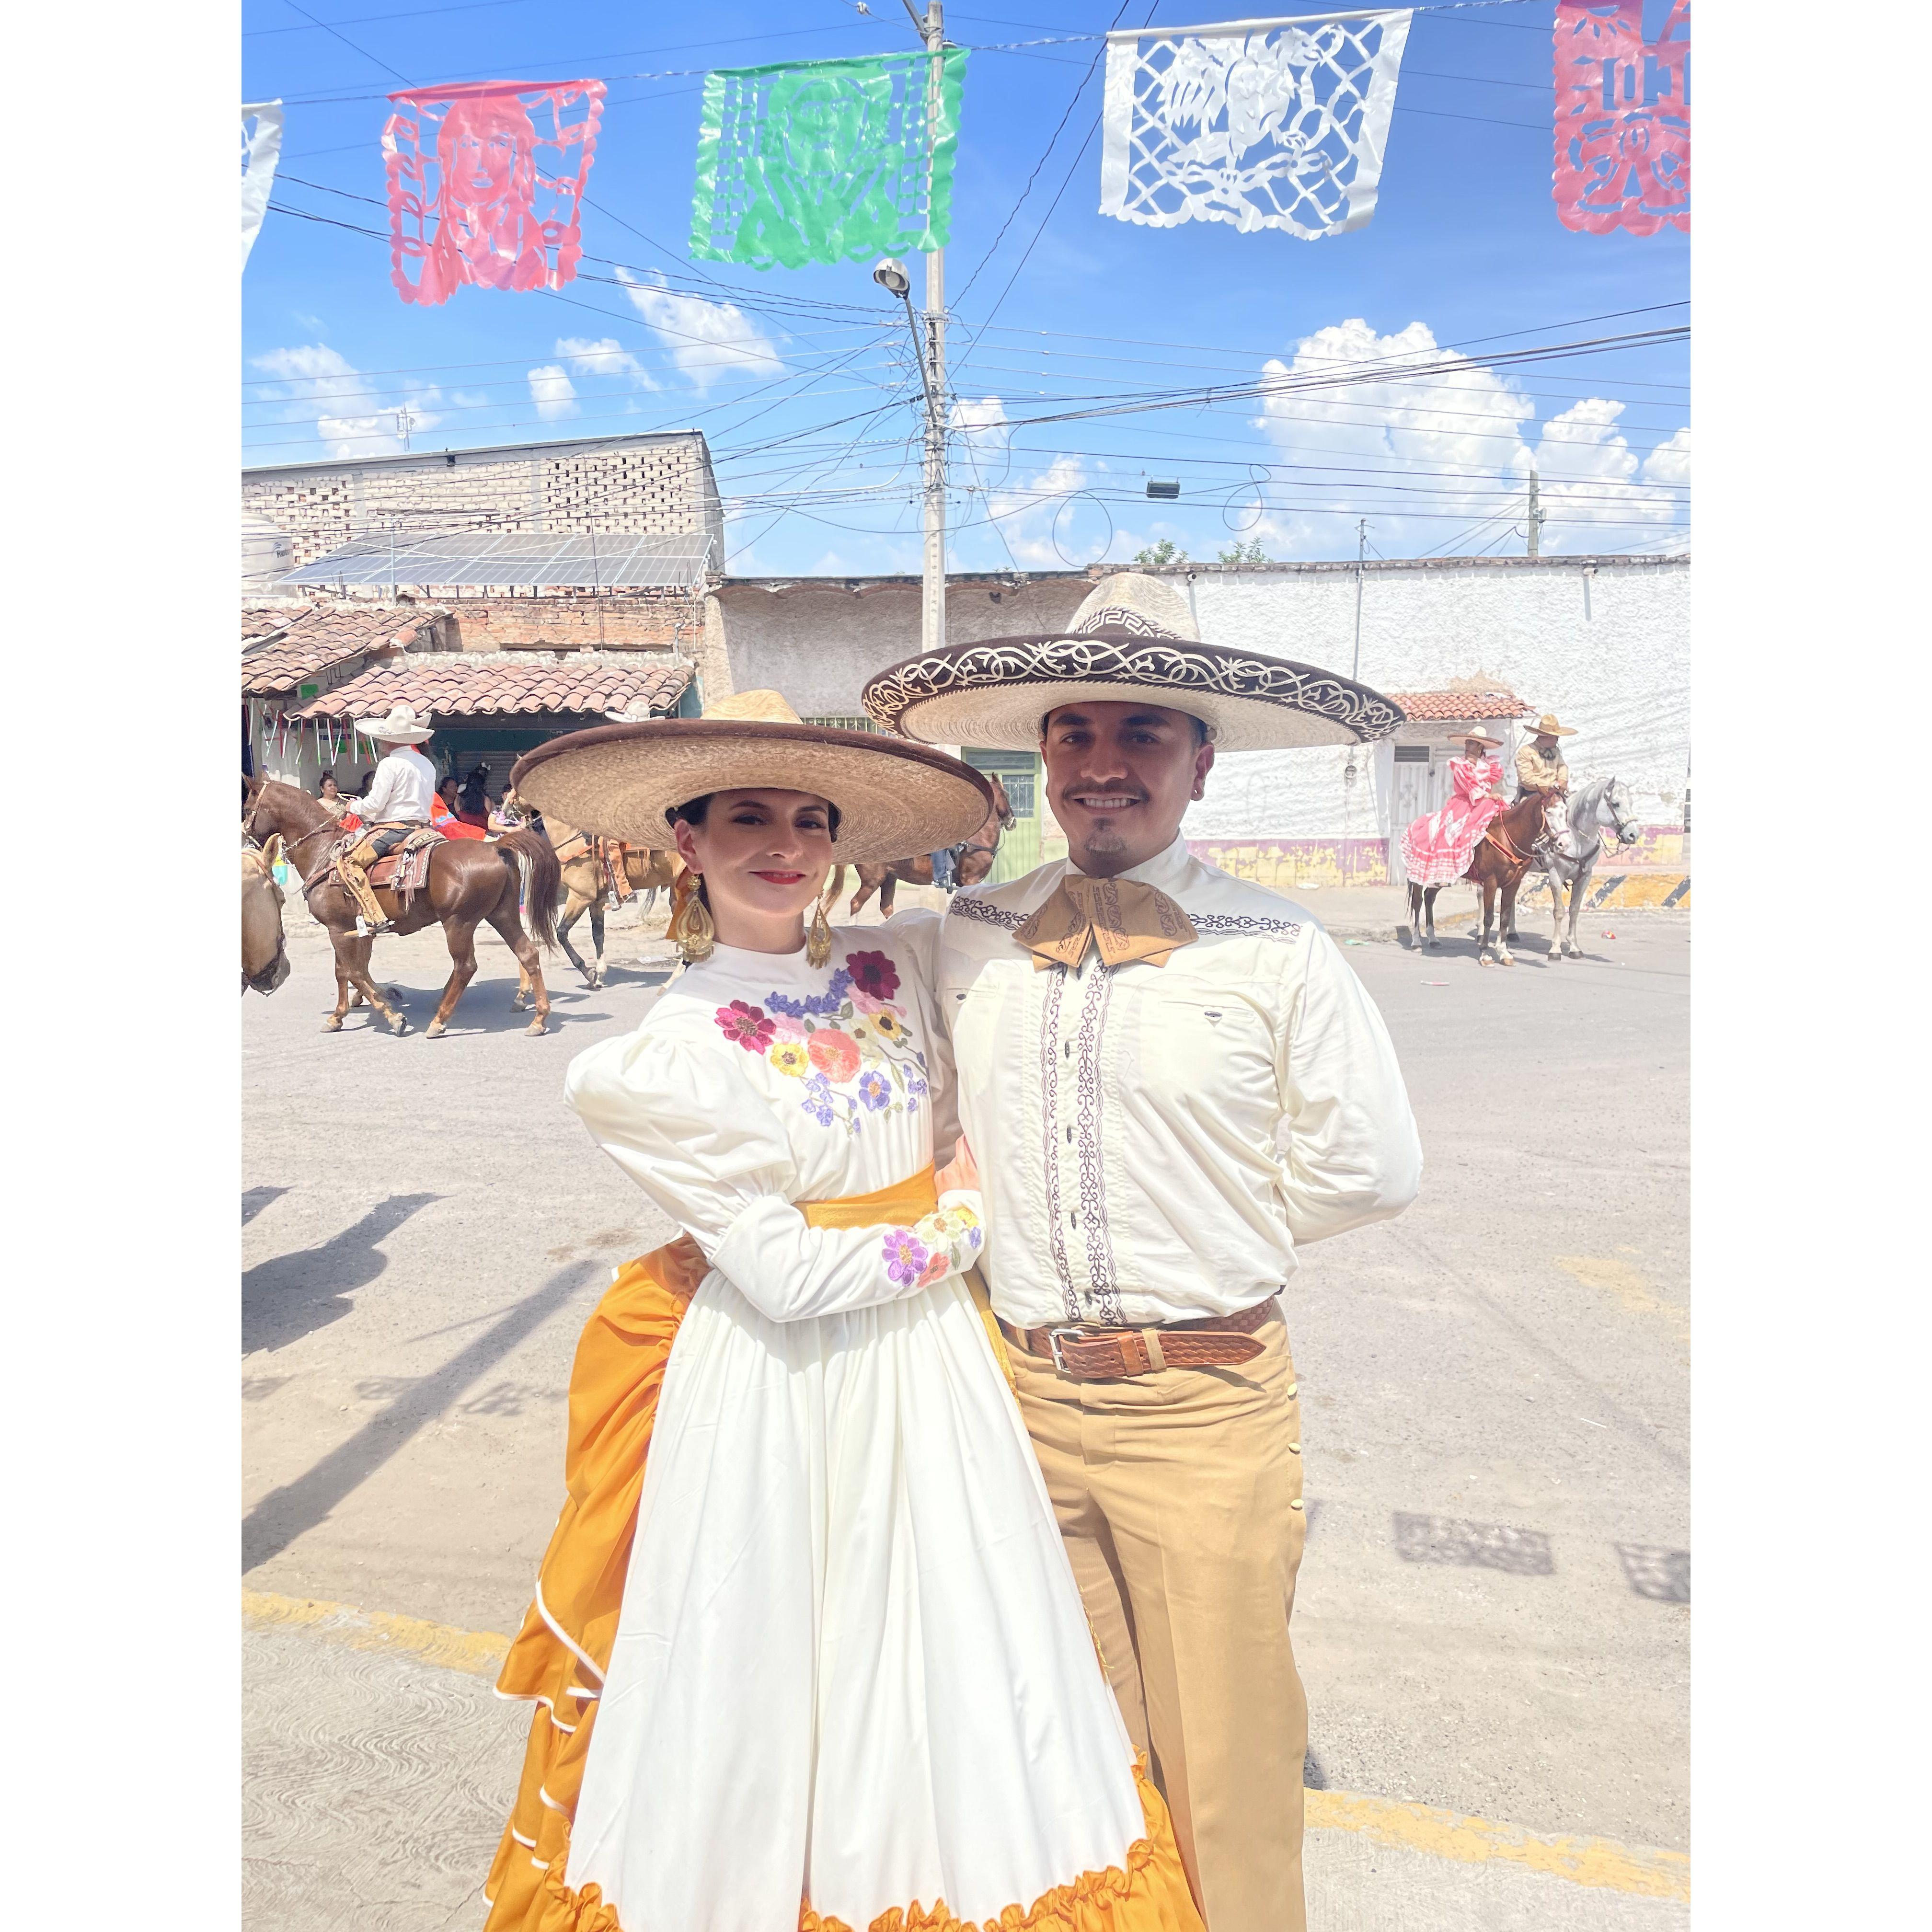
(851, 1664)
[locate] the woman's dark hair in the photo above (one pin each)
(692, 811)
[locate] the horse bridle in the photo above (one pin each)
(290, 845)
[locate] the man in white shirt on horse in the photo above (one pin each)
(400, 800)
(1170, 1080)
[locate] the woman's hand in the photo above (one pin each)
(961, 1174)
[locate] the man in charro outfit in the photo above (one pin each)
(1539, 762)
(1169, 1080)
(401, 798)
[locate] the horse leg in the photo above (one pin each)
(358, 951)
(572, 913)
(1504, 955)
(886, 891)
(461, 935)
(1429, 915)
(1414, 914)
(344, 992)
(1486, 945)
(596, 943)
(510, 929)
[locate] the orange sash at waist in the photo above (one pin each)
(899, 1205)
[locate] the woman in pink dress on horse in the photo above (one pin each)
(1437, 847)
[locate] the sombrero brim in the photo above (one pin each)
(895, 800)
(996, 693)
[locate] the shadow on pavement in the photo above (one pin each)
(293, 1295)
(285, 1513)
(254, 1199)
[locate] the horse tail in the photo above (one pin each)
(538, 878)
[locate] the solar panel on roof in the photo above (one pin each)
(619, 562)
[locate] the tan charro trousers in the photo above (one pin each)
(1179, 1497)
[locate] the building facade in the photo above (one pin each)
(1604, 642)
(660, 484)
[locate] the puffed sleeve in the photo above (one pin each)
(918, 936)
(1351, 1150)
(702, 1143)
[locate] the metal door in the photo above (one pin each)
(1421, 787)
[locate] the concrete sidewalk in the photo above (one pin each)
(380, 1765)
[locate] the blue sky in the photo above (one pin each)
(802, 380)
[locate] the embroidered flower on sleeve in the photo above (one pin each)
(907, 1256)
(875, 1091)
(938, 1264)
(873, 974)
(835, 1054)
(790, 1058)
(888, 1025)
(817, 1101)
(747, 1025)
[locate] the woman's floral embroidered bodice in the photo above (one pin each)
(794, 1083)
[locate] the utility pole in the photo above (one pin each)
(405, 422)
(1361, 552)
(932, 604)
(1535, 516)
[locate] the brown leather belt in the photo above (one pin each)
(1089, 1354)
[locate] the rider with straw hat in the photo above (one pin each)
(401, 799)
(806, 1648)
(1539, 764)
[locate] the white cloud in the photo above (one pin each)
(552, 391)
(320, 385)
(1460, 435)
(707, 340)
(1020, 500)
(605, 357)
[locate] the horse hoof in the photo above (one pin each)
(332, 1024)
(435, 1031)
(400, 1027)
(535, 1028)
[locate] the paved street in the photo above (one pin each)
(1493, 1613)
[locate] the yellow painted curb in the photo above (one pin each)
(1422, 1828)
(1448, 1835)
(479, 1653)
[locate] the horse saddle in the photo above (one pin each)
(575, 847)
(405, 871)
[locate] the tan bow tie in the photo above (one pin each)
(1126, 919)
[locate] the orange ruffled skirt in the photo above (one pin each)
(560, 1656)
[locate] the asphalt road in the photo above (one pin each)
(1493, 1616)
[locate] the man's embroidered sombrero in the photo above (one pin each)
(1133, 638)
(895, 800)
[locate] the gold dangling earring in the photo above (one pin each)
(692, 930)
(818, 936)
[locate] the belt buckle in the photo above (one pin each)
(1077, 1329)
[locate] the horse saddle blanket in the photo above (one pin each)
(404, 868)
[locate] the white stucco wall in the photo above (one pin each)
(818, 640)
(1621, 676)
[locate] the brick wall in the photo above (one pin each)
(648, 486)
(647, 621)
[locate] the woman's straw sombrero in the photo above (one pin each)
(895, 800)
(1133, 638)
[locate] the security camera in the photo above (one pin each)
(891, 276)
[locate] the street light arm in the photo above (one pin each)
(917, 19)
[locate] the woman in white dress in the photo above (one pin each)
(817, 1660)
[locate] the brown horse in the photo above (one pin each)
(585, 889)
(470, 881)
(265, 954)
(1506, 852)
(972, 862)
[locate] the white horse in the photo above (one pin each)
(1569, 857)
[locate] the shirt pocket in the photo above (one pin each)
(1209, 1052)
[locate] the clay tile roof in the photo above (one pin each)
(312, 639)
(459, 684)
(1458, 706)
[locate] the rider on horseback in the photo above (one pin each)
(401, 798)
(1539, 764)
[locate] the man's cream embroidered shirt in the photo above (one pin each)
(1154, 1141)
